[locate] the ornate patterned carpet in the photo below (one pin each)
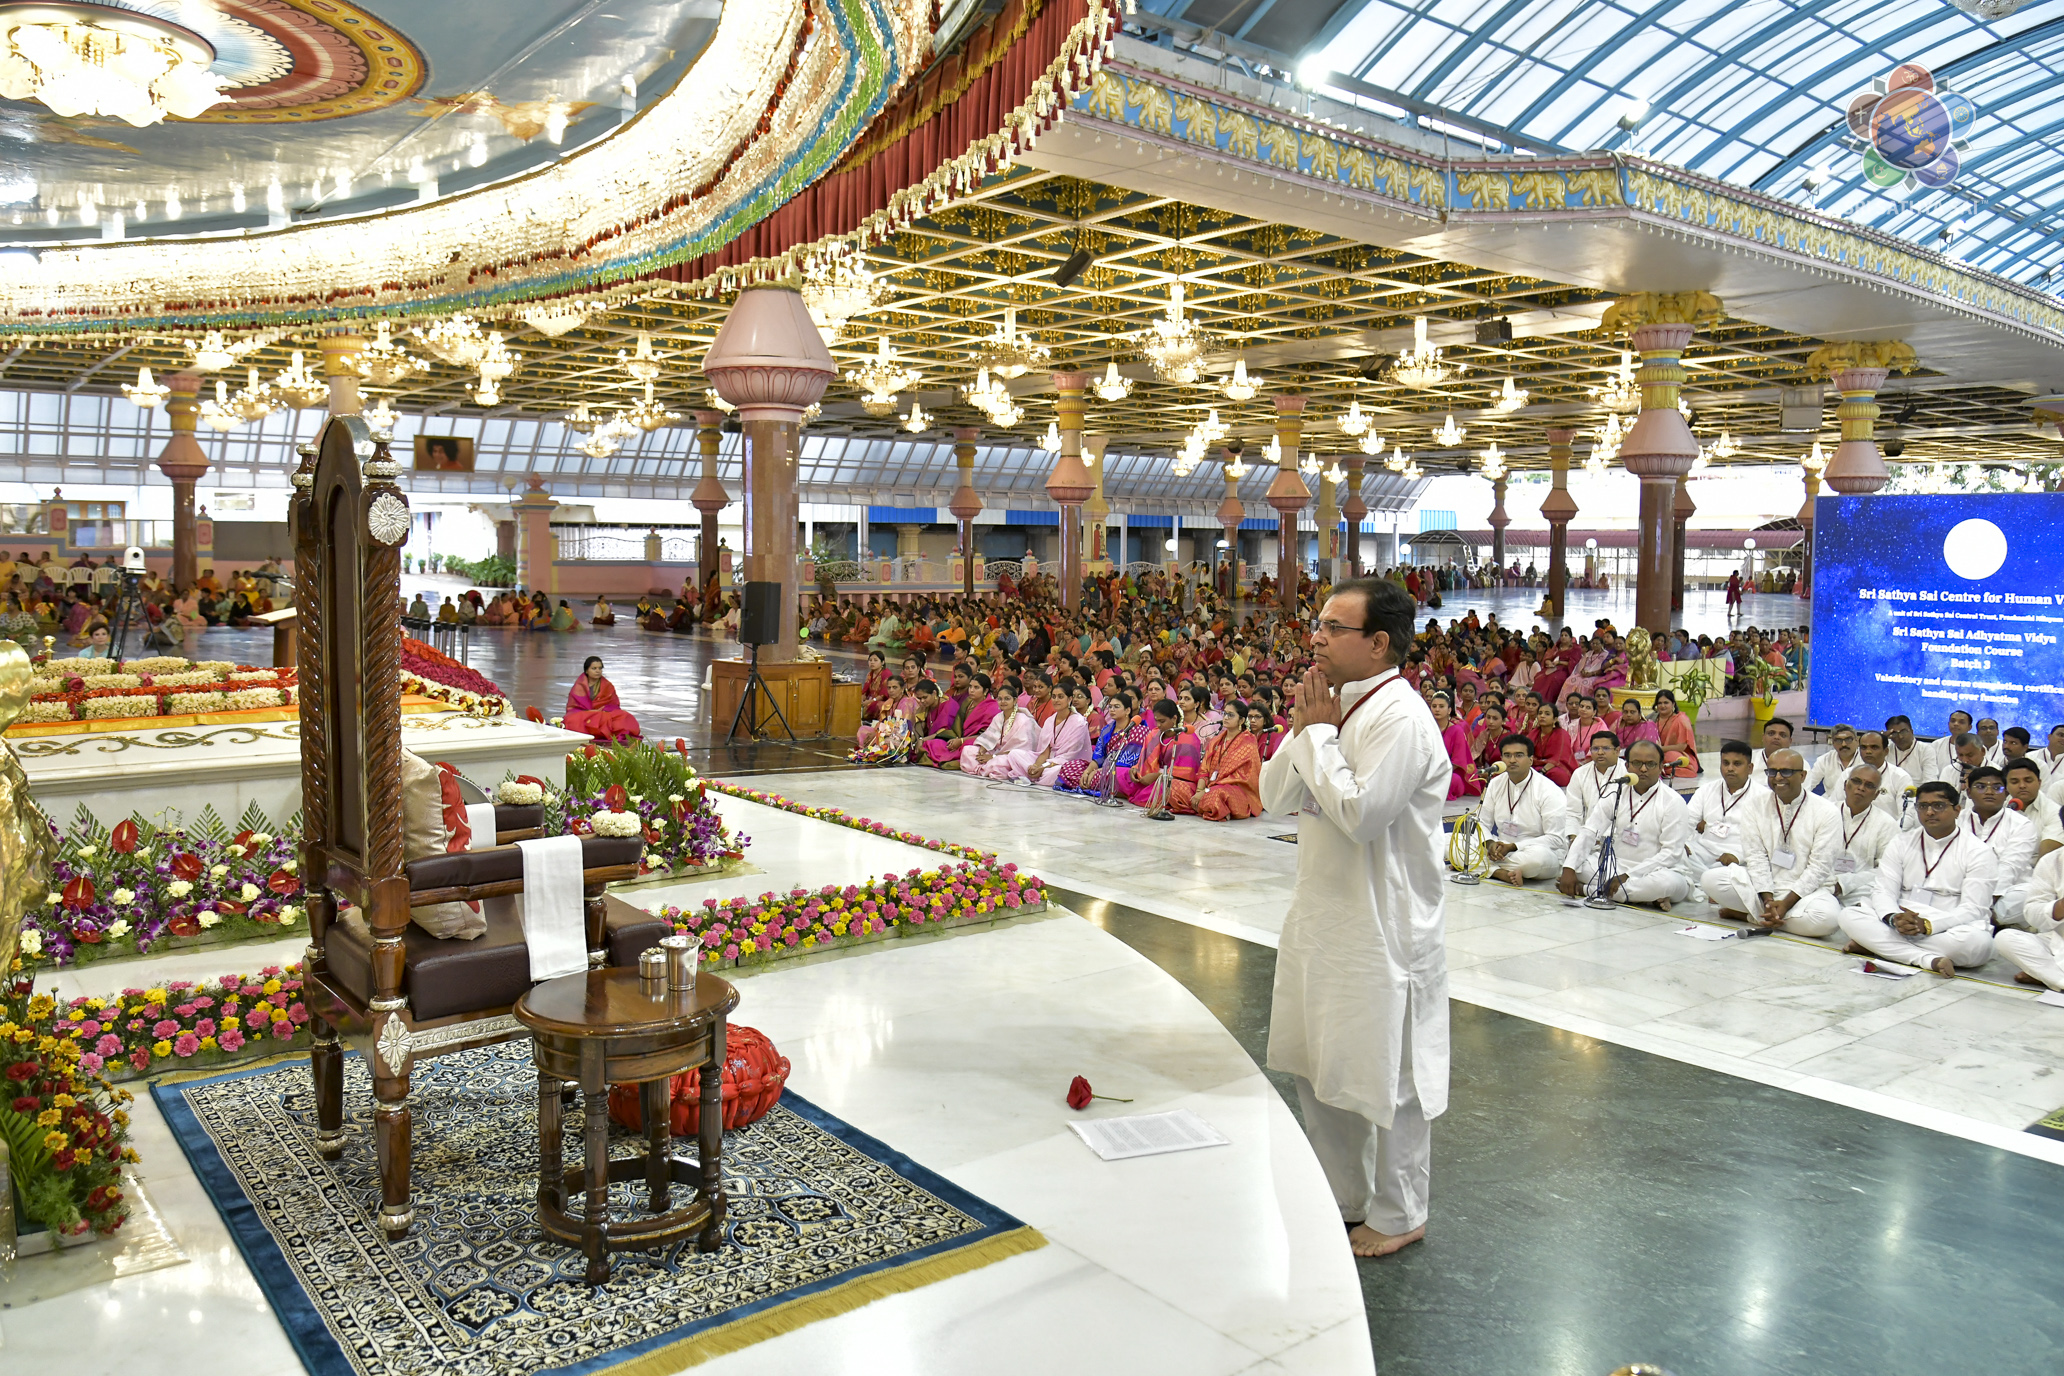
(823, 1218)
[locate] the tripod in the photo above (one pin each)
(128, 611)
(755, 684)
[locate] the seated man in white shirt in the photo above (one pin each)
(2014, 743)
(2007, 832)
(1942, 750)
(1826, 776)
(1988, 732)
(1965, 755)
(1894, 784)
(1590, 779)
(1908, 751)
(1525, 818)
(1866, 832)
(1777, 735)
(2039, 950)
(1788, 842)
(1715, 811)
(2025, 796)
(1931, 905)
(2052, 755)
(1646, 824)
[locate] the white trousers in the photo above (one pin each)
(1538, 858)
(1380, 1176)
(2033, 954)
(2006, 909)
(1662, 883)
(1728, 886)
(1967, 945)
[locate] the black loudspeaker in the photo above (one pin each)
(759, 615)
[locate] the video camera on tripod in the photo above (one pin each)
(128, 601)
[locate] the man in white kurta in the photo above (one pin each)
(1788, 843)
(1360, 1014)
(1589, 780)
(2025, 796)
(2010, 833)
(1893, 782)
(2039, 950)
(1866, 833)
(1647, 823)
(1716, 811)
(1932, 902)
(1832, 768)
(1525, 818)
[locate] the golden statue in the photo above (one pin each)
(1641, 664)
(27, 846)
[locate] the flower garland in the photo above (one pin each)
(66, 1131)
(99, 689)
(655, 791)
(846, 819)
(431, 673)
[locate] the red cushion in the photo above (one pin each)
(754, 1073)
(454, 808)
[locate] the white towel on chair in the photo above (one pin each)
(551, 908)
(481, 818)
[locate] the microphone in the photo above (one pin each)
(1624, 779)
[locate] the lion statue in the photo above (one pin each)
(1641, 660)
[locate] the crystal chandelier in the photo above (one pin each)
(213, 353)
(1007, 353)
(1239, 386)
(1397, 461)
(218, 413)
(581, 420)
(1814, 461)
(917, 422)
(1352, 420)
(1273, 452)
(838, 288)
(988, 395)
(1684, 407)
(1335, 474)
(1172, 345)
(1422, 366)
(1619, 392)
(1008, 414)
(385, 362)
(382, 419)
(1189, 456)
(253, 401)
(1051, 440)
(1237, 470)
(716, 399)
(1112, 387)
(81, 59)
(1491, 462)
(299, 388)
(554, 321)
(1212, 428)
(1510, 398)
(1725, 447)
(642, 365)
(1607, 446)
(497, 364)
(457, 340)
(1450, 434)
(1372, 444)
(598, 446)
(1308, 464)
(880, 378)
(648, 415)
(144, 391)
(1411, 470)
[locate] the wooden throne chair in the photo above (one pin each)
(388, 987)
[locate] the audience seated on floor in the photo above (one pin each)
(1631, 847)
(1525, 817)
(1932, 904)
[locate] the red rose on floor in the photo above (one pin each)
(1078, 1093)
(187, 867)
(123, 839)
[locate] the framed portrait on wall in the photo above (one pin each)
(444, 454)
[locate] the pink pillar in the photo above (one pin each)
(1658, 450)
(185, 464)
(1070, 484)
(709, 496)
(1857, 465)
(1558, 507)
(1288, 496)
(536, 550)
(966, 503)
(1354, 509)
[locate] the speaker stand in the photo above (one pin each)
(755, 684)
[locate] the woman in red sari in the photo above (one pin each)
(1484, 739)
(1555, 666)
(1231, 780)
(1552, 753)
(592, 706)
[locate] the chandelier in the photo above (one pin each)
(299, 388)
(1008, 415)
(385, 362)
(382, 419)
(1372, 444)
(988, 395)
(716, 399)
(598, 446)
(648, 415)
(838, 288)
(1397, 461)
(1725, 447)
(1008, 353)
(1422, 366)
(81, 59)
(212, 354)
(1239, 386)
(253, 401)
(1353, 421)
(1273, 452)
(581, 420)
(1491, 462)
(1051, 440)
(880, 378)
(497, 363)
(1411, 470)
(1112, 387)
(917, 422)
(1814, 461)
(1619, 392)
(1335, 474)
(1189, 456)
(1237, 470)
(554, 321)
(144, 391)
(217, 412)
(1510, 398)
(1172, 345)
(1308, 464)
(457, 340)
(642, 365)
(1607, 446)
(1212, 428)
(1449, 434)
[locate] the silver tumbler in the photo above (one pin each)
(680, 962)
(652, 972)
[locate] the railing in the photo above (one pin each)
(677, 549)
(844, 571)
(997, 568)
(601, 546)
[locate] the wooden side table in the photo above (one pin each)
(600, 1028)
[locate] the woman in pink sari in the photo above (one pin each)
(1582, 724)
(1061, 742)
(1631, 727)
(593, 707)
(1462, 780)
(977, 710)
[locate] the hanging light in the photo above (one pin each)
(1353, 421)
(836, 289)
(1684, 407)
(1702, 462)
(1308, 464)
(1112, 387)
(1607, 446)
(1372, 444)
(989, 396)
(642, 364)
(1422, 365)
(217, 412)
(299, 388)
(1510, 398)
(385, 362)
(648, 415)
(99, 60)
(1173, 346)
(554, 321)
(488, 393)
(581, 420)
(1008, 414)
(456, 339)
(1619, 392)
(1725, 447)
(498, 362)
(1239, 386)
(1335, 473)
(716, 399)
(1412, 472)
(1815, 460)
(917, 422)
(1051, 440)
(1491, 462)
(382, 419)
(880, 378)
(211, 354)
(1397, 461)
(1212, 428)
(253, 401)
(598, 445)
(1007, 353)
(1236, 469)
(1273, 452)
(145, 391)
(1449, 434)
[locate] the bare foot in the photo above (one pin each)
(1367, 1242)
(1852, 949)
(1508, 876)
(1734, 915)
(1943, 966)
(1662, 905)
(2023, 977)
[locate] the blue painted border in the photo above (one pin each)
(323, 1356)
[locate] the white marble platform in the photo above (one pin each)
(957, 1050)
(158, 772)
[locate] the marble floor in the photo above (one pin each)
(957, 1049)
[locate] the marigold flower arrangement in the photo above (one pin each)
(66, 1130)
(177, 1024)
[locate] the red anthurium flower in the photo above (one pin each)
(229, 906)
(187, 867)
(242, 840)
(123, 839)
(184, 925)
(283, 883)
(78, 893)
(617, 798)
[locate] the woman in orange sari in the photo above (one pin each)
(1673, 733)
(1231, 781)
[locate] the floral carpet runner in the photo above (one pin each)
(823, 1219)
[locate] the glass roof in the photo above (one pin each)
(1745, 91)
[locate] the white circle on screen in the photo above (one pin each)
(1974, 549)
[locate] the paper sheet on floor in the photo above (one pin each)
(1148, 1134)
(2051, 997)
(1699, 931)
(551, 907)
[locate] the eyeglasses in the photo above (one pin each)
(1333, 628)
(1783, 773)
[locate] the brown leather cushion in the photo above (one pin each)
(441, 977)
(515, 817)
(629, 930)
(500, 863)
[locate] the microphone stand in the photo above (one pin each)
(1607, 854)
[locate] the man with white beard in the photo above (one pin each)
(1788, 843)
(1931, 905)
(1647, 824)
(1525, 817)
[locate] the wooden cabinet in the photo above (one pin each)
(846, 701)
(802, 689)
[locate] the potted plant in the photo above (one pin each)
(1764, 679)
(1691, 683)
